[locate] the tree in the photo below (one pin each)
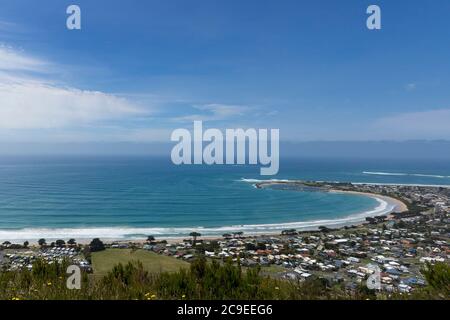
(324, 229)
(72, 242)
(438, 279)
(250, 246)
(25, 244)
(96, 245)
(195, 235)
(239, 233)
(226, 236)
(60, 243)
(42, 242)
(261, 246)
(6, 243)
(150, 239)
(400, 224)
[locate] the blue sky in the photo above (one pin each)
(139, 69)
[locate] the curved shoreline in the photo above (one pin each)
(387, 205)
(399, 206)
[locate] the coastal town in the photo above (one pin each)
(389, 249)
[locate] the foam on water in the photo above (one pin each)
(118, 233)
(406, 174)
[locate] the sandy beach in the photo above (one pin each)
(399, 206)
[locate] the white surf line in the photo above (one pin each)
(401, 184)
(406, 174)
(136, 233)
(385, 173)
(123, 233)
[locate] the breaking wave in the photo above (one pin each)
(406, 174)
(262, 181)
(130, 233)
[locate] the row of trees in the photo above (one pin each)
(58, 243)
(150, 239)
(43, 243)
(194, 235)
(96, 244)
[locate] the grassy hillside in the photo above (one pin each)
(104, 261)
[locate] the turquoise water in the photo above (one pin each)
(132, 197)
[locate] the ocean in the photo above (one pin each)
(132, 197)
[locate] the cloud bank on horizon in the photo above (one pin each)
(137, 79)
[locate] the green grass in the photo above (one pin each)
(273, 269)
(104, 261)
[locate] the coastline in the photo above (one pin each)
(387, 205)
(396, 205)
(399, 206)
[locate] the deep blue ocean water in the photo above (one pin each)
(133, 196)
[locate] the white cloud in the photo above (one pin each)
(32, 102)
(432, 124)
(410, 86)
(12, 60)
(29, 105)
(6, 26)
(215, 112)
